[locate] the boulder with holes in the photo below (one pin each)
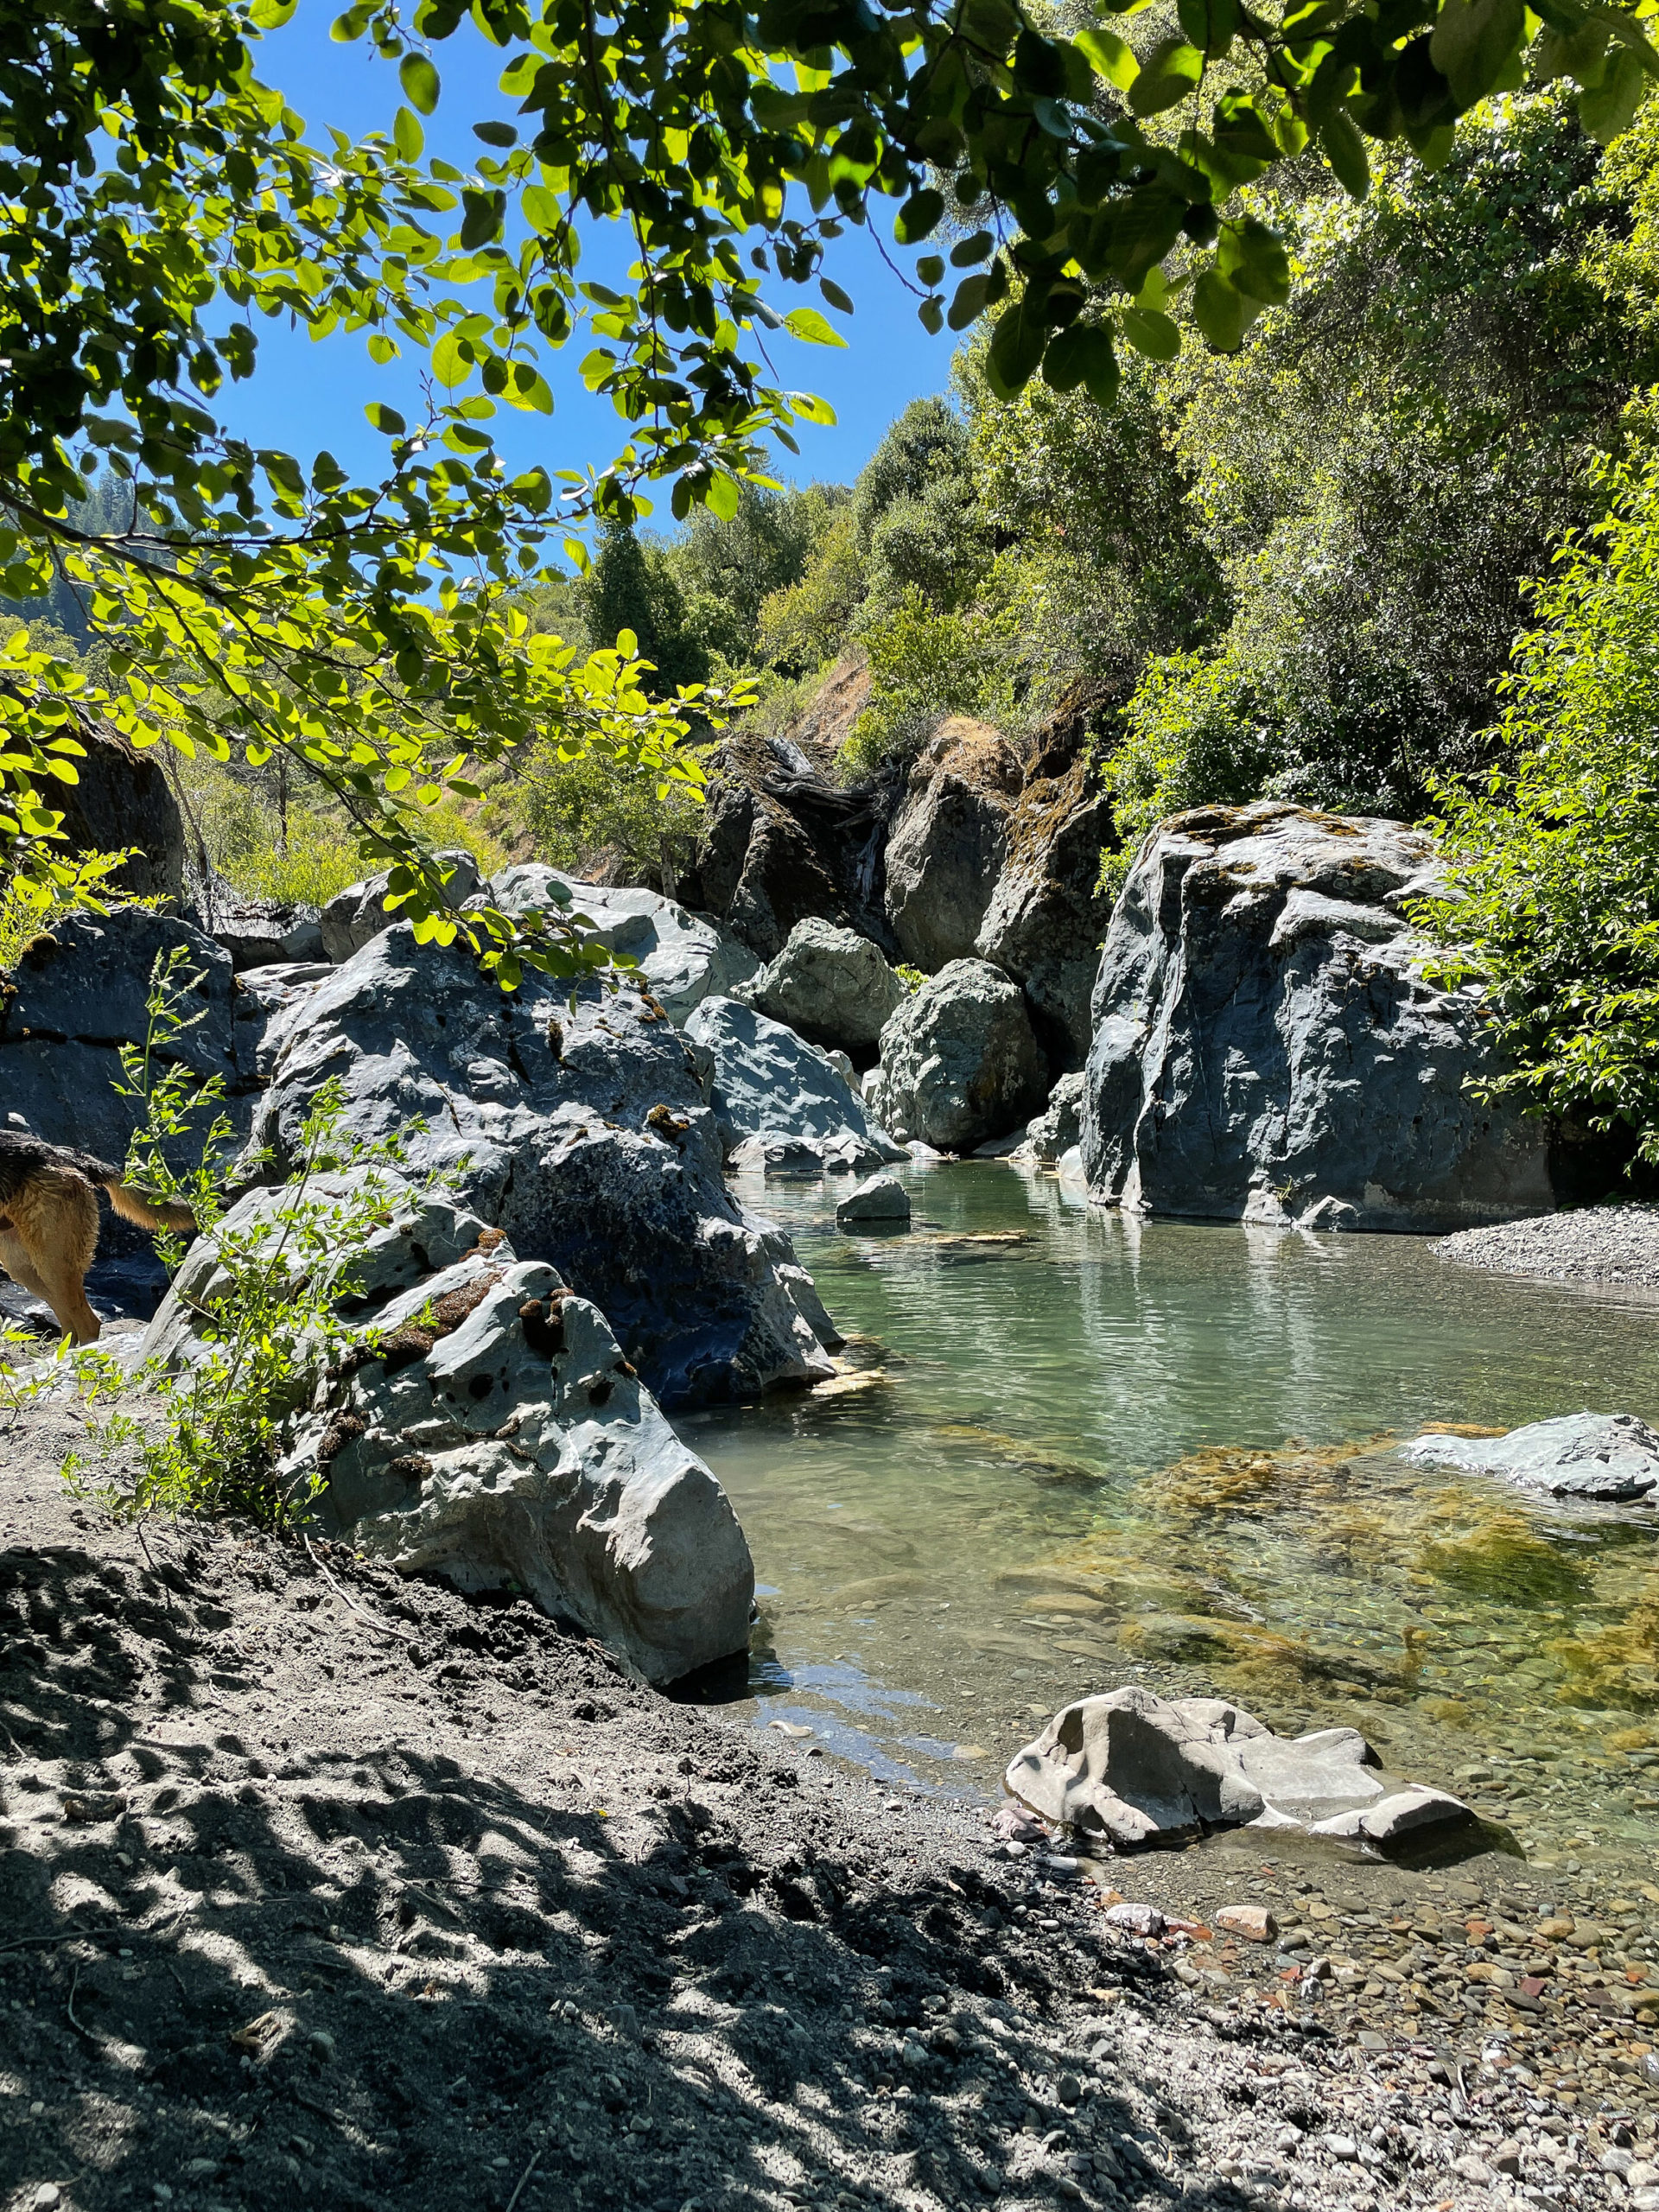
(484, 1425)
(582, 1129)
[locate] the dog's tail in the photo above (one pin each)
(132, 1206)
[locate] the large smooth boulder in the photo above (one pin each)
(1136, 1769)
(357, 915)
(78, 992)
(949, 842)
(1047, 918)
(261, 932)
(879, 1199)
(486, 1426)
(681, 958)
(781, 1102)
(960, 1063)
(831, 985)
(1610, 1457)
(1266, 1046)
(581, 1130)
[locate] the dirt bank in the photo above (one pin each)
(315, 1881)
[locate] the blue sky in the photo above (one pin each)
(306, 394)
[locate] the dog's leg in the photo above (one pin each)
(15, 1261)
(56, 1221)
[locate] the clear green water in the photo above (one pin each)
(1114, 1452)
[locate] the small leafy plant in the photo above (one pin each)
(265, 1298)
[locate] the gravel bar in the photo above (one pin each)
(1611, 1244)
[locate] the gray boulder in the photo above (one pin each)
(948, 841)
(1058, 1128)
(1135, 1768)
(782, 1104)
(681, 958)
(1265, 1041)
(582, 1130)
(1612, 1457)
(261, 932)
(121, 801)
(78, 992)
(959, 1061)
(829, 984)
(357, 915)
(880, 1199)
(488, 1428)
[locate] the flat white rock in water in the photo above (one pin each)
(1611, 1457)
(1404, 1813)
(1132, 1767)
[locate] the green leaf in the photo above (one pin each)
(920, 216)
(978, 248)
(1168, 74)
(1607, 108)
(931, 315)
(270, 15)
(540, 209)
(496, 133)
(1211, 25)
(808, 324)
(807, 407)
(1151, 334)
(1108, 56)
(1471, 43)
(407, 135)
(1344, 149)
(1016, 348)
(723, 495)
(970, 300)
(1253, 259)
(420, 82)
(836, 297)
(1222, 313)
(385, 419)
(352, 25)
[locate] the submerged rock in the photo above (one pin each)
(1406, 1816)
(1132, 1768)
(486, 1426)
(883, 1198)
(1611, 1457)
(948, 841)
(781, 1104)
(1266, 1046)
(829, 985)
(959, 1061)
(581, 1130)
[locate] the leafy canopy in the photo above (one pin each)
(157, 200)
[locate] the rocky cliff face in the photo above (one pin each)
(1266, 1046)
(949, 842)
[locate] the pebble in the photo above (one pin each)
(1253, 1921)
(48, 2197)
(1596, 1244)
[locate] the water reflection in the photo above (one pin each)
(1079, 1449)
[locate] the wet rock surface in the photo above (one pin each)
(829, 985)
(782, 1104)
(584, 1134)
(1610, 1457)
(960, 1063)
(320, 1876)
(1266, 1046)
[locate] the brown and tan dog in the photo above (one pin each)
(48, 1223)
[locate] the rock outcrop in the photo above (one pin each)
(261, 932)
(583, 1132)
(784, 838)
(1610, 1457)
(880, 1200)
(959, 1061)
(356, 916)
(1266, 1046)
(1047, 919)
(486, 1426)
(680, 957)
(829, 984)
(1059, 1129)
(121, 803)
(1136, 1769)
(949, 842)
(79, 991)
(781, 1104)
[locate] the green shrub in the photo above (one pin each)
(1554, 852)
(926, 665)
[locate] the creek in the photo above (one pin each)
(1072, 1449)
